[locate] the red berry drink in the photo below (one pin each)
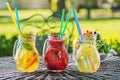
(56, 57)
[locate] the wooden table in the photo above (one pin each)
(109, 70)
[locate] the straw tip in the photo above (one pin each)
(7, 3)
(16, 8)
(63, 9)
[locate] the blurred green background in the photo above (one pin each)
(102, 16)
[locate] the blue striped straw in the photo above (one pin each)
(78, 26)
(17, 19)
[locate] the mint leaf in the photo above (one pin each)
(27, 46)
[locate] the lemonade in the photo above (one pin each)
(27, 61)
(87, 59)
(86, 55)
(26, 56)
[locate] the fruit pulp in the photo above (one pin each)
(27, 60)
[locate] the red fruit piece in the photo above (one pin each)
(84, 34)
(87, 31)
(90, 32)
(62, 60)
(51, 60)
(61, 65)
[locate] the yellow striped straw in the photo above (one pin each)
(12, 15)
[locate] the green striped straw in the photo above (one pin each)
(61, 23)
(68, 17)
(87, 62)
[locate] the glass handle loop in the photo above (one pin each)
(44, 47)
(15, 48)
(74, 54)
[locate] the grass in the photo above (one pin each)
(108, 28)
(27, 13)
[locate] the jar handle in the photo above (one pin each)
(44, 47)
(74, 50)
(74, 54)
(15, 48)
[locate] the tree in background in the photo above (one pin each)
(88, 4)
(53, 5)
(60, 6)
(57, 6)
(116, 4)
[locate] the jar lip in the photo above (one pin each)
(90, 37)
(27, 36)
(55, 36)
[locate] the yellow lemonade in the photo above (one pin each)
(27, 61)
(25, 53)
(87, 59)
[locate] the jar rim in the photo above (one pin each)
(90, 37)
(27, 38)
(51, 36)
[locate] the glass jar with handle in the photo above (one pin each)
(25, 54)
(86, 55)
(55, 55)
